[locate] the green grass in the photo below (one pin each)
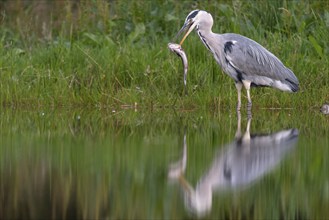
(109, 55)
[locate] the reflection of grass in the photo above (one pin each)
(110, 54)
(102, 164)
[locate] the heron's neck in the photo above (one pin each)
(205, 36)
(204, 29)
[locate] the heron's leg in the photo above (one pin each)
(238, 133)
(238, 86)
(247, 84)
(248, 126)
(249, 105)
(246, 137)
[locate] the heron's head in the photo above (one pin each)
(196, 19)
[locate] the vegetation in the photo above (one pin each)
(113, 53)
(59, 59)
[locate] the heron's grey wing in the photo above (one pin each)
(253, 61)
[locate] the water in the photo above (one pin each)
(163, 165)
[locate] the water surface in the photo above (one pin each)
(163, 164)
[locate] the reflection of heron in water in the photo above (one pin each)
(240, 163)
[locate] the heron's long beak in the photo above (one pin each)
(188, 25)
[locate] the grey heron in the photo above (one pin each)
(243, 59)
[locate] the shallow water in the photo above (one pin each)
(163, 165)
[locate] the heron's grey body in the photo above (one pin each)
(243, 59)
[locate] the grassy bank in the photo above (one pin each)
(113, 54)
